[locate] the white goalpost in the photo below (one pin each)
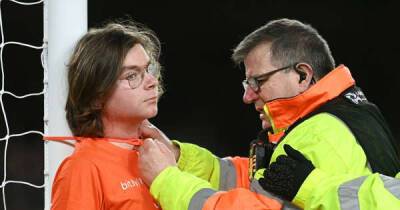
(65, 21)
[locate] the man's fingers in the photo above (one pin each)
(286, 160)
(148, 143)
(293, 153)
(163, 147)
(148, 124)
(148, 130)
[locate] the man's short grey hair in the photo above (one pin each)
(291, 41)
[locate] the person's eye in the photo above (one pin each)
(131, 76)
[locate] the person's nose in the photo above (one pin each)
(249, 96)
(151, 81)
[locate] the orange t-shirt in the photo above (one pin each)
(100, 175)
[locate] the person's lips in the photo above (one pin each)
(152, 99)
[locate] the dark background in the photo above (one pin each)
(203, 99)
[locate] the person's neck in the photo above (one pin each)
(121, 130)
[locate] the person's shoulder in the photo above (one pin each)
(76, 164)
(322, 127)
(323, 122)
(77, 160)
(76, 182)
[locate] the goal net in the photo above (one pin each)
(32, 95)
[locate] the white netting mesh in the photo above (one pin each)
(9, 134)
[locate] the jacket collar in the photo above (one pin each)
(284, 112)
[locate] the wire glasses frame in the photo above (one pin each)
(135, 78)
(256, 81)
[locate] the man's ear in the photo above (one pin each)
(303, 76)
(306, 74)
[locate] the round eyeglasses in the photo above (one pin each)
(135, 76)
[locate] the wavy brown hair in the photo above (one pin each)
(94, 68)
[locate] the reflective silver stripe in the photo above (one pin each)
(256, 187)
(348, 194)
(199, 198)
(227, 178)
(392, 185)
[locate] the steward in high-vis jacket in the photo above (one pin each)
(332, 142)
(304, 102)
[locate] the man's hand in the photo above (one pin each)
(148, 130)
(154, 157)
(285, 176)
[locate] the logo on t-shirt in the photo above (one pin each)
(131, 183)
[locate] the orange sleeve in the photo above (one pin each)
(76, 186)
(242, 171)
(240, 199)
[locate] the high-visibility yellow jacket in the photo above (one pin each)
(372, 192)
(204, 181)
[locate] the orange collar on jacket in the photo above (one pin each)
(131, 141)
(284, 112)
